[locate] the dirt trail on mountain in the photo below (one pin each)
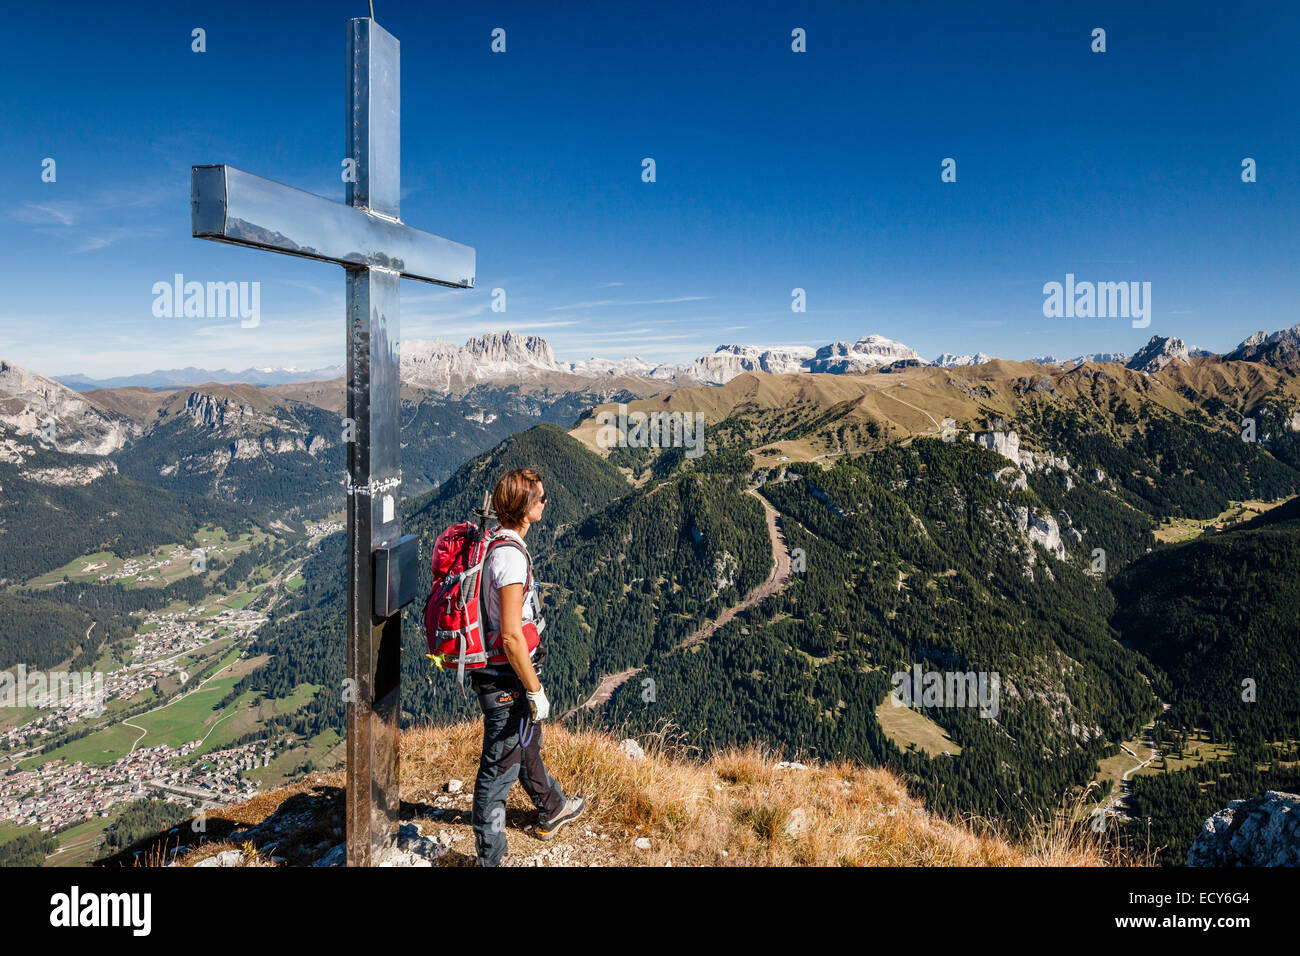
(776, 580)
(885, 392)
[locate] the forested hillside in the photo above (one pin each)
(45, 525)
(1219, 620)
(258, 464)
(912, 558)
(1039, 568)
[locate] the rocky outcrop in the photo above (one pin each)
(1120, 357)
(217, 411)
(509, 348)
(1006, 444)
(442, 366)
(600, 367)
(1261, 831)
(70, 475)
(1018, 480)
(1041, 529)
(245, 448)
(1158, 354)
(868, 354)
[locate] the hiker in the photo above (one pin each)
(510, 694)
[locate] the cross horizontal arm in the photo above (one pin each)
(230, 205)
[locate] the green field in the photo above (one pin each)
(326, 749)
(191, 717)
(13, 716)
(1184, 529)
(9, 831)
(188, 718)
(240, 601)
(905, 726)
(79, 845)
(243, 716)
(214, 541)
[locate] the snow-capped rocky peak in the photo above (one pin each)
(1281, 349)
(595, 367)
(1159, 353)
(506, 349)
(865, 355)
(948, 360)
(728, 361)
(442, 365)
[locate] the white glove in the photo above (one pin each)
(538, 704)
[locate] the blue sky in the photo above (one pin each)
(775, 170)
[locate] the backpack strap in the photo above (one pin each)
(494, 539)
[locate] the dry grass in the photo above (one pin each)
(735, 808)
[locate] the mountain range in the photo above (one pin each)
(177, 377)
(441, 366)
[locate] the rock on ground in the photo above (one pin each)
(1261, 831)
(632, 749)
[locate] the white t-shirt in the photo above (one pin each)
(506, 565)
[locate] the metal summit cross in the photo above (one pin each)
(375, 247)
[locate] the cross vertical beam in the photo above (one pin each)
(374, 460)
(368, 239)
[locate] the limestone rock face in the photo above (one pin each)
(1261, 831)
(442, 366)
(1018, 480)
(510, 348)
(732, 360)
(948, 360)
(35, 406)
(1281, 349)
(865, 355)
(1006, 444)
(214, 411)
(77, 474)
(1041, 530)
(1159, 353)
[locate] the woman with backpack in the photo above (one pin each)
(510, 693)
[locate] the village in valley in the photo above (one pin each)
(157, 723)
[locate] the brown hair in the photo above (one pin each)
(514, 496)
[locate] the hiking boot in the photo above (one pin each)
(571, 810)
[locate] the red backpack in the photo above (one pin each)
(455, 617)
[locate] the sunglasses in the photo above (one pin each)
(542, 499)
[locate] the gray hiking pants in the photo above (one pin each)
(506, 757)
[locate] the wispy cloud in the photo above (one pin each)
(43, 214)
(106, 237)
(94, 222)
(309, 286)
(438, 329)
(598, 303)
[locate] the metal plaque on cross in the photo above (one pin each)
(367, 237)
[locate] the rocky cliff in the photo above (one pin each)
(1261, 831)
